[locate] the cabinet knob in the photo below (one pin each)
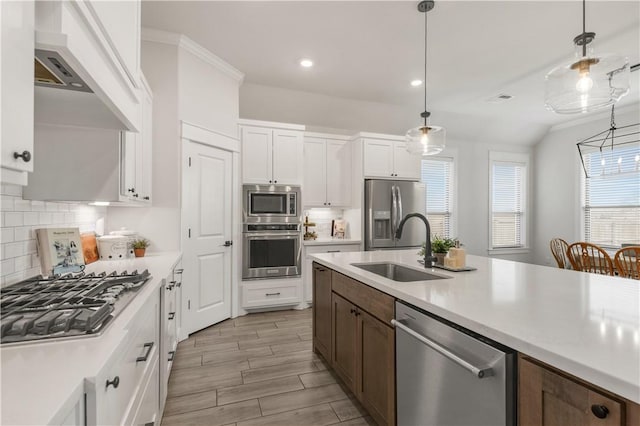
(135, 195)
(275, 181)
(131, 190)
(600, 411)
(146, 198)
(26, 156)
(115, 382)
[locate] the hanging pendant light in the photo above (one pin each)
(425, 139)
(588, 82)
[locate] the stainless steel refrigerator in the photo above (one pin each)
(386, 203)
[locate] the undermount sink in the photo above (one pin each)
(397, 272)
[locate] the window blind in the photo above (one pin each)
(611, 201)
(437, 175)
(508, 180)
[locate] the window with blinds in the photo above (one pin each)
(611, 197)
(438, 176)
(508, 203)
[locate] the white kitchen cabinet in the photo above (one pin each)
(307, 268)
(327, 172)
(115, 393)
(171, 320)
(271, 293)
(271, 155)
(16, 86)
(136, 154)
(388, 158)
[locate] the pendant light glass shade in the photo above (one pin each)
(426, 140)
(587, 83)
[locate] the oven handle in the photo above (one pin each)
(271, 234)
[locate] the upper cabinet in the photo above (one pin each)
(387, 157)
(271, 153)
(136, 155)
(327, 171)
(16, 86)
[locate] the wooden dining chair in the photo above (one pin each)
(559, 251)
(589, 257)
(627, 261)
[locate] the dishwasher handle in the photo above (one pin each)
(476, 371)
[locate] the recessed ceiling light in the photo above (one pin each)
(416, 83)
(307, 63)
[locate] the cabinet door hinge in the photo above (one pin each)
(189, 232)
(189, 304)
(189, 161)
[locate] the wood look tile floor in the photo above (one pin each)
(258, 369)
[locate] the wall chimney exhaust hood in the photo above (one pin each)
(78, 76)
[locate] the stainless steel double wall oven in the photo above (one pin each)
(271, 231)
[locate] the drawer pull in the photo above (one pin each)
(600, 411)
(149, 346)
(172, 315)
(179, 271)
(172, 355)
(115, 382)
(317, 268)
(272, 294)
(179, 284)
(170, 285)
(333, 251)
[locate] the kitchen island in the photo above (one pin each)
(46, 382)
(586, 325)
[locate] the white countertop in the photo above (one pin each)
(321, 241)
(585, 324)
(42, 381)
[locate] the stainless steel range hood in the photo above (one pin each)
(51, 70)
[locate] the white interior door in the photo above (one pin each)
(207, 260)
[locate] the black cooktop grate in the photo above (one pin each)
(65, 306)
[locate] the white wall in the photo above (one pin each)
(208, 98)
(557, 172)
(19, 220)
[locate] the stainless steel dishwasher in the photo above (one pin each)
(447, 375)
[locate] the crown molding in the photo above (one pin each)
(184, 42)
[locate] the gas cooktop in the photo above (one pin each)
(72, 305)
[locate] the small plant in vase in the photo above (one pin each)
(439, 248)
(140, 246)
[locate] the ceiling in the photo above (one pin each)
(371, 50)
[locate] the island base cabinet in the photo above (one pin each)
(344, 352)
(376, 357)
(322, 311)
(547, 398)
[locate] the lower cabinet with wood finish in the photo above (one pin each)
(362, 341)
(549, 397)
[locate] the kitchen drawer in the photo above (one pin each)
(257, 294)
(147, 410)
(377, 303)
(125, 371)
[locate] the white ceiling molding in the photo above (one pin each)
(184, 42)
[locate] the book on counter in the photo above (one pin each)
(60, 250)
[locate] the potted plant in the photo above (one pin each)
(439, 248)
(140, 246)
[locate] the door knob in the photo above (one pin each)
(227, 244)
(26, 156)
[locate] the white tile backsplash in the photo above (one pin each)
(18, 254)
(322, 218)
